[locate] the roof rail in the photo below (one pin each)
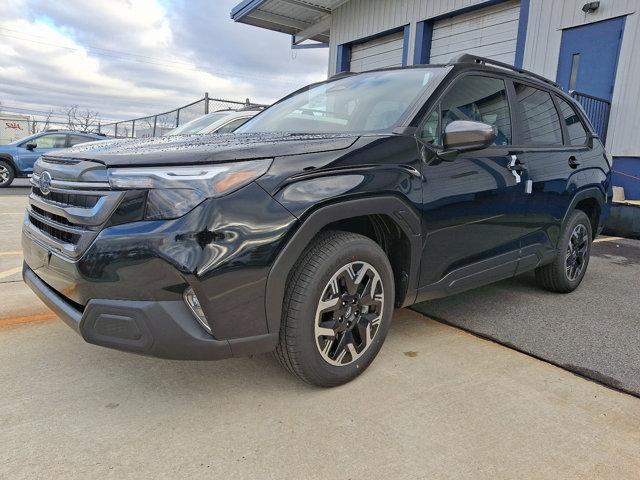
(468, 58)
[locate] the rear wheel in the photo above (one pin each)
(7, 174)
(574, 249)
(337, 309)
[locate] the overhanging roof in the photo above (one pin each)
(303, 19)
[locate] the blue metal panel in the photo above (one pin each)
(343, 62)
(626, 174)
(424, 36)
(523, 22)
(405, 44)
(593, 50)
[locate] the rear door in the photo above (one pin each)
(474, 205)
(549, 163)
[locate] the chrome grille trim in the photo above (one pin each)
(64, 185)
(94, 216)
(68, 228)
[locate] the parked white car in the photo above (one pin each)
(215, 122)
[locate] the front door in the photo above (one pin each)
(473, 205)
(26, 157)
(589, 57)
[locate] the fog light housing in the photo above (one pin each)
(193, 303)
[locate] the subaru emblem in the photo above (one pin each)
(45, 183)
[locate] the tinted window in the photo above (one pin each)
(481, 99)
(76, 139)
(50, 141)
(231, 126)
(577, 133)
(540, 122)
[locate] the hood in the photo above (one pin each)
(193, 149)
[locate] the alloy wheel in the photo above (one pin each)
(349, 313)
(577, 251)
(4, 174)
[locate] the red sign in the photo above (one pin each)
(14, 125)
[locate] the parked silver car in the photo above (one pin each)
(215, 122)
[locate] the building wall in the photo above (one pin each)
(358, 19)
(547, 18)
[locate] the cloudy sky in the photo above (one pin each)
(127, 58)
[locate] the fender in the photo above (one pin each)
(404, 215)
(595, 193)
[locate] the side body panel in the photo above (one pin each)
(473, 217)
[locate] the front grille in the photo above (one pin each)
(63, 236)
(52, 216)
(70, 199)
(72, 213)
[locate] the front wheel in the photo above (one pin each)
(7, 174)
(337, 309)
(574, 250)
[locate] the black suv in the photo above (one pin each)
(303, 230)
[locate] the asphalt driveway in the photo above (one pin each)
(594, 331)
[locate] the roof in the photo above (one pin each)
(303, 19)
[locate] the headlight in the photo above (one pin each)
(174, 191)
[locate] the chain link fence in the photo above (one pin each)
(157, 125)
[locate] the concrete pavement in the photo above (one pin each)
(436, 403)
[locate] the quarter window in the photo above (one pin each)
(577, 133)
(429, 132)
(480, 99)
(540, 122)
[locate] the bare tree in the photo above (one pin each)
(83, 120)
(70, 113)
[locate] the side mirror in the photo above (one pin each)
(467, 136)
(31, 146)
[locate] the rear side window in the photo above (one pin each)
(540, 122)
(577, 132)
(481, 99)
(231, 126)
(76, 139)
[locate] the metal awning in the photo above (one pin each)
(302, 19)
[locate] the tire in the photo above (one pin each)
(321, 299)
(574, 249)
(7, 174)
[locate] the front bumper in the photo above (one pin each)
(164, 329)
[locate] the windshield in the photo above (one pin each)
(194, 126)
(366, 102)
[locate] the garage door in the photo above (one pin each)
(378, 53)
(491, 32)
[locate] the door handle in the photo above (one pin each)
(573, 162)
(515, 165)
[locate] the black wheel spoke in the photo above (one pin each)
(577, 252)
(349, 312)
